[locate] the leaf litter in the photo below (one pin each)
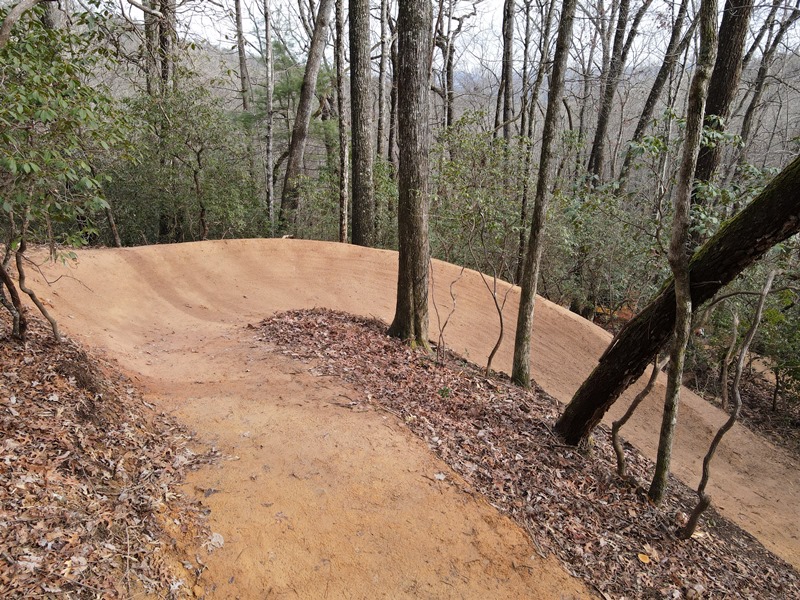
(89, 476)
(499, 439)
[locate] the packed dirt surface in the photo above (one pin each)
(312, 499)
(315, 498)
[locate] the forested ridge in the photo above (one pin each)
(633, 160)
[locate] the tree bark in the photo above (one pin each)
(244, 77)
(361, 124)
(619, 57)
(344, 124)
(773, 216)
(414, 56)
(12, 17)
(724, 79)
(508, 68)
(270, 90)
(383, 67)
(530, 273)
(297, 146)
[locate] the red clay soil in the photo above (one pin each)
(315, 499)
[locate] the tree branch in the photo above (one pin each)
(146, 9)
(12, 17)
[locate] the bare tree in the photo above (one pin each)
(297, 146)
(675, 47)
(533, 257)
(704, 500)
(619, 56)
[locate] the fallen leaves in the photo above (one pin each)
(88, 478)
(499, 439)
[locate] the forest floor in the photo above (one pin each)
(312, 495)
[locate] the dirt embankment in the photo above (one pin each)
(174, 316)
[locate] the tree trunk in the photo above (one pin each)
(678, 258)
(297, 146)
(414, 56)
(12, 16)
(112, 225)
(244, 77)
(772, 217)
(726, 361)
(20, 327)
(675, 48)
(361, 123)
(528, 131)
(508, 68)
(391, 146)
(344, 149)
(530, 273)
(619, 57)
(151, 61)
(383, 67)
(270, 85)
(724, 79)
(166, 44)
(609, 89)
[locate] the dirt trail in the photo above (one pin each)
(313, 499)
(131, 301)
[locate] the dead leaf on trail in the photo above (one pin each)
(644, 558)
(214, 542)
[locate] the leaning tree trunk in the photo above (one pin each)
(361, 124)
(521, 370)
(414, 55)
(772, 217)
(297, 146)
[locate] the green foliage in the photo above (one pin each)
(601, 251)
(192, 157)
(55, 122)
(474, 216)
(317, 216)
(779, 341)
